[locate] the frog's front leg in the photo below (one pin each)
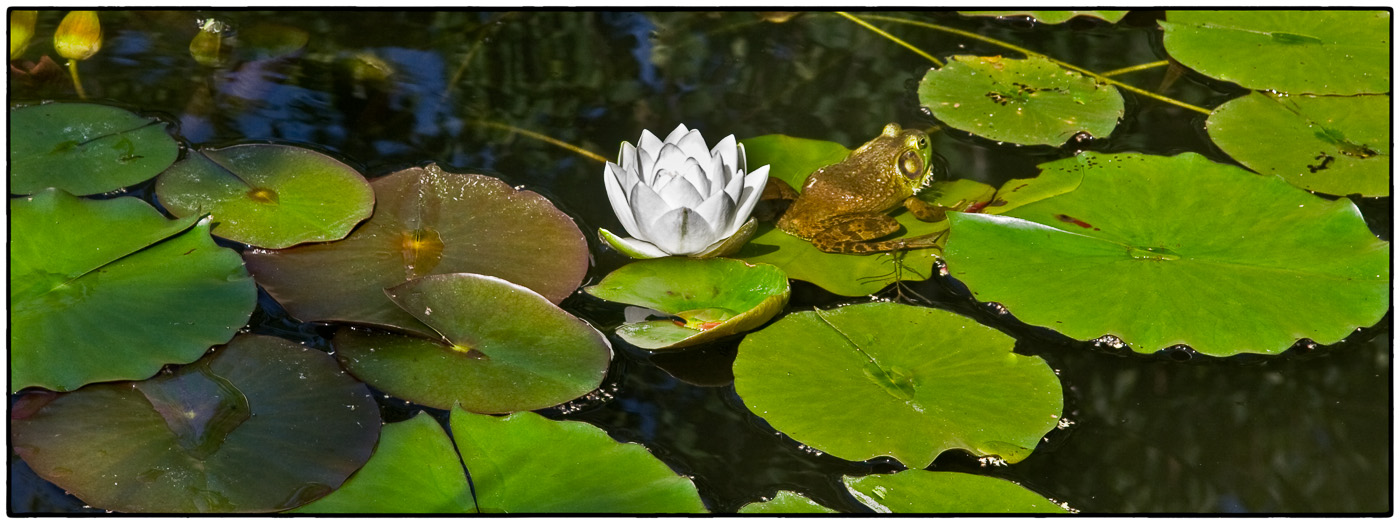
(853, 234)
(925, 211)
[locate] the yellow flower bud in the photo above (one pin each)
(208, 47)
(21, 29)
(79, 35)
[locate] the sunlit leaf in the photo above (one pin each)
(260, 425)
(884, 379)
(713, 297)
(1023, 101)
(1329, 144)
(427, 222)
(503, 348)
(786, 502)
(1160, 251)
(110, 290)
(1332, 52)
(1052, 17)
(85, 149)
(916, 491)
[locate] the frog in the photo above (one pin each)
(845, 207)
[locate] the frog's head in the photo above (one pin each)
(914, 158)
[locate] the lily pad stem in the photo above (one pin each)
(892, 38)
(77, 84)
(1028, 52)
(544, 138)
(1136, 68)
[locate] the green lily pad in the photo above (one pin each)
(268, 195)
(260, 425)
(106, 290)
(786, 502)
(1320, 52)
(427, 222)
(414, 469)
(1160, 251)
(1023, 101)
(714, 297)
(917, 491)
(1052, 17)
(504, 348)
(913, 382)
(525, 463)
(85, 149)
(793, 160)
(1329, 144)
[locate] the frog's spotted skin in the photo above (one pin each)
(843, 207)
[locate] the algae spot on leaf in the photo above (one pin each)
(498, 347)
(85, 149)
(913, 382)
(713, 297)
(262, 424)
(427, 221)
(917, 491)
(106, 290)
(267, 195)
(1182, 251)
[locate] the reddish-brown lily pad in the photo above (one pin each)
(427, 222)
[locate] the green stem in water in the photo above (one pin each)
(892, 38)
(77, 83)
(1028, 52)
(544, 138)
(1136, 68)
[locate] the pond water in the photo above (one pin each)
(1307, 431)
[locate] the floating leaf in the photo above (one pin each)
(1320, 52)
(260, 425)
(1329, 144)
(268, 195)
(85, 149)
(525, 463)
(414, 469)
(1160, 251)
(793, 159)
(786, 502)
(912, 382)
(714, 297)
(106, 290)
(427, 222)
(1023, 101)
(916, 491)
(1052, 17)
(504, 348)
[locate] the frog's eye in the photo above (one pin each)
(923, 142)
(910, 165)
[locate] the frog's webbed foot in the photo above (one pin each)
(854, 235)
(925, 211)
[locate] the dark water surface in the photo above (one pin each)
(1308, 431)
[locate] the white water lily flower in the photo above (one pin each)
(676, 197)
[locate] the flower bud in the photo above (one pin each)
(79, 35)
(208, 47)
(21, 29)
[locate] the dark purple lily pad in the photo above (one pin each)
(427, 222)
(262, 424)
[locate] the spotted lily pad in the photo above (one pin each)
(106, 290)
(917, 491)
(1023, 101)
(786, 502)
(793, 160)
(713, 297)
(414, 469)
(1339, 145)
(502, 347)
(1052, 17)
(85, 149)
(427, 222)
(268, 195)
(525, 463)
(913, 382)
(1333, 52)
(1160, 251)
(260, 425)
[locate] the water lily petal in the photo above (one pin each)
(753, 188)
(718, 210)
(687, 232)
(645, 163)
(741, 162)
(617, 196)
(679, 193)
(627, 158)
(694, 145)
(646, 207)
(693, 173)
(727, 152)
(676, 134)
(735, 187)
(719, 176)
(649, 143)
(671, 159)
